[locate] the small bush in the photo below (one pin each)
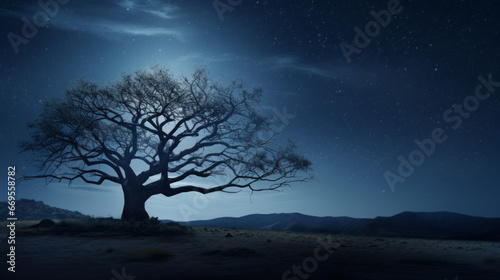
(150, 254)
(239, 252)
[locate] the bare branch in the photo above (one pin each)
(175, 128)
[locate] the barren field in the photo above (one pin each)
(217, 253)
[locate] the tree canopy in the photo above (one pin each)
(150, 132)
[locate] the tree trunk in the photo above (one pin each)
(134, 207)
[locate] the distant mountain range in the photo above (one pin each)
(29, 209)
(435, 225)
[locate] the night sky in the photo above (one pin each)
(430, 72)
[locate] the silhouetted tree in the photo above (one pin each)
(149, 132)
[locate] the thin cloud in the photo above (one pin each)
(112, 29)
(127, 4)
(156, 8)
(199, 58)
(314, 70)
(132, 18)
(279, 61)
(164, 14)
(72, 188)
(293, 63)
(119, 28)
(94, 188)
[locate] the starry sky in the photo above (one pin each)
(396, 103)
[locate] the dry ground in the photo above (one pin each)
(207, 253)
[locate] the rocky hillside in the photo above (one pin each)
(29, 209)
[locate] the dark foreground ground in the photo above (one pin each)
(206, 253)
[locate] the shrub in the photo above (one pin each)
(150, 254)
(110, 226)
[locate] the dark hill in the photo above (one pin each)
(29, 209)
(436, 225)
